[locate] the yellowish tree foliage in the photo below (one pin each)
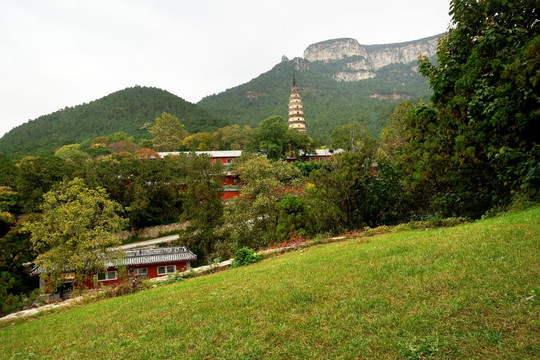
(167, 133)
(74, 232)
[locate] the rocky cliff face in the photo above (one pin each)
(358, 62)
(334, 50)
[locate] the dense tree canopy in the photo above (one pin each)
(478, 145)
(231, 137)
(73, 233)
(351, 137)
(148, 190)
(254, 215)
(37, 175)
(275, 140)
(351, 191)
(203, 206)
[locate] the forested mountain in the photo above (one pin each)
(343, 82)
(126, 110)
(340, 81)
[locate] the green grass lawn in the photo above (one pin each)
(468, 292)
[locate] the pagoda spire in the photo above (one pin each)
(296, 109)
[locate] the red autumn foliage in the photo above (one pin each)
(294, 241)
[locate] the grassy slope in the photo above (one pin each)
(465, 292)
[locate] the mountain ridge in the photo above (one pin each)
(334, 92)
(342, 84)
(126, 110)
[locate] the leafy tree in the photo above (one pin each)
(10, 301)
(478, 145)
(98, 151)
(123, 146)
(37, 175)
(15, 251)
(274, 139)
(198, 142)
(350, 137)
(16, 284)
(97, 147)
(393, 136)
(293, 217)
(71, 152)
(254, 215)
(307, 167)
(167, 133)
(9, 200)
(351, 191)
(158, 184)
(100, 140)
(202, 202)
(9, 172)
(146, 154)
(146, 143)
(118, 136)
(147, 190)
(231, 137)
(74, 232)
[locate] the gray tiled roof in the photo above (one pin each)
(237, 153)
(158, 255)
(214, 153)
(328, 152)
(147, 256)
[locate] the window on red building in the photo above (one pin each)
(108, 275)
(163, 270)
(142, 273)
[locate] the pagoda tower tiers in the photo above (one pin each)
(296, 110)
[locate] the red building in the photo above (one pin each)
(228, 157)
(225, 156)
(143, 263)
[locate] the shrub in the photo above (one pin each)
(245, 256)
(129, 286)
(176, 277)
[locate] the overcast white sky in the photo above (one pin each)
(57, 53)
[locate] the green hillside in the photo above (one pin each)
(327, 102)
(455, 293)
(125, 110)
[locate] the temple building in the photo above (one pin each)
(139, 263)
(296, 110)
